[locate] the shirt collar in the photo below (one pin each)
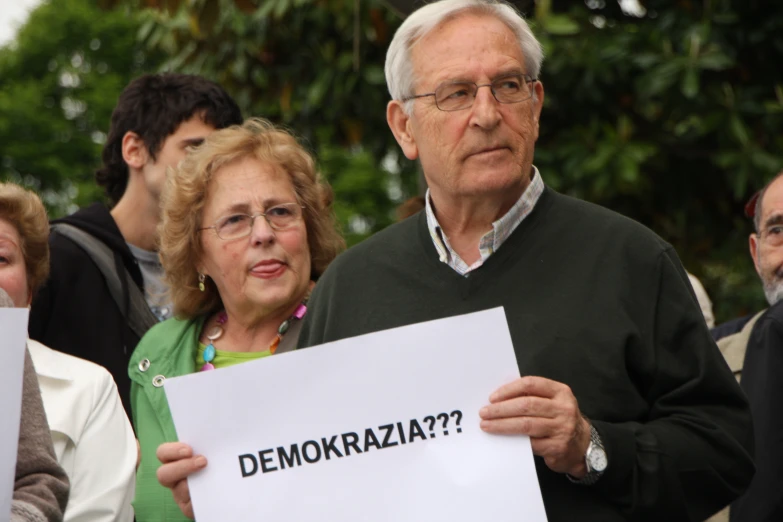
(494, 238)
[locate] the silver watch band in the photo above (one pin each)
(592, 475)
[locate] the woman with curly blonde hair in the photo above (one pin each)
(247, 228)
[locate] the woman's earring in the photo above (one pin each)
(201, 279)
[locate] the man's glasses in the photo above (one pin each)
(236, 226)
(455, 96)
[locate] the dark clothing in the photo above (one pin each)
(730, 327)
(762, 381)
(74, 311)
(598, 302)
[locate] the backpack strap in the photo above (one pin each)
(136, 311)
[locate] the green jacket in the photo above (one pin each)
(167, 350)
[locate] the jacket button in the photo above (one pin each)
(158, 381)
(144, 365)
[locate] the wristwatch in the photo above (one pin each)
(595, 460)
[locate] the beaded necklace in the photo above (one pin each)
(217, 332)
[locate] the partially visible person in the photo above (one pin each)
(704, 300)
(40, 483)
(247, 229)
(92, 437)
(734, 346)
(730, 327)
(733, 336)
(105, 289)
(743, 325)
(762, 372)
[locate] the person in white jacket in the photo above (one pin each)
(92, 437)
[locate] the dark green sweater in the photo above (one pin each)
(600, 303)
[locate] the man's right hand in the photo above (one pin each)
(178, 462)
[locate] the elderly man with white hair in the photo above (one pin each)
(631, 411)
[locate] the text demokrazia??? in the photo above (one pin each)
(347, 444)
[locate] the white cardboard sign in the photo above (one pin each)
(13, 336)
(381, 427)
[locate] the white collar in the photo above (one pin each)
(51, 363)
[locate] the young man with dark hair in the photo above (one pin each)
(105, 262)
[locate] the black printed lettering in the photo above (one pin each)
(388, 429)
(308, 458)
(330, 448)
(416, 431)
(350, 444)
(251, 458)
(370, 440)
(401, 431)
(312, 451)
(264, 460)
(289, 459)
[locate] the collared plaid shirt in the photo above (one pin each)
(492, 240)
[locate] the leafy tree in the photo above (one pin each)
(315, 67)
(670, 115)
(59, 81)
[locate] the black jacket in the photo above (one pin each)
(763, 384)
(74, 311)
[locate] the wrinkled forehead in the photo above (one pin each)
(247, 183)
(466, 47)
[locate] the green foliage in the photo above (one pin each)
(59, 82)
(674, 117)
(359, 184)
(313, 66)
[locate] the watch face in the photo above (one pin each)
(597, 458)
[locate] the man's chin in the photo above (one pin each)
(773, 292)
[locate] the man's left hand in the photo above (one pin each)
(548, 413)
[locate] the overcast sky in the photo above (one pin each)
(13, 13)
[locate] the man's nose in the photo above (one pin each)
(485, 110)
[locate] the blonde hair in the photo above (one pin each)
(185, 193)
(24, 210)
